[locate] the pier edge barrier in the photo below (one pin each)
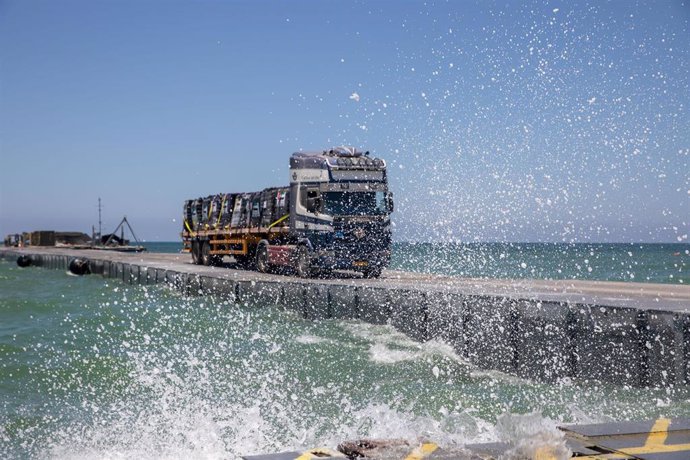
(542, 340)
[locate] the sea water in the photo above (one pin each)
(94, 368)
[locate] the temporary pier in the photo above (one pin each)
(634, 334)
(661, 439)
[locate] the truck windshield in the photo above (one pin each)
(354, 203)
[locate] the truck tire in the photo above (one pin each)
(372, 272)
(245, 262)
(303, 262)
(206, 257)
(262, 263)
(240, 261)
(196, 252)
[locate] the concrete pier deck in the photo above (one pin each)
(635, 334)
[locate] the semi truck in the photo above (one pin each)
(334, 215)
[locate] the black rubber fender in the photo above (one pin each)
(79, 267)
(24, 261)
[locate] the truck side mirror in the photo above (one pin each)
(389, 201)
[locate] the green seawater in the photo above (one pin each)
(94, 368)
(626, 262)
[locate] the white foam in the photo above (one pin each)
(380, 353)
(307, 339)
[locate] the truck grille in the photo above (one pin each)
(359, 236)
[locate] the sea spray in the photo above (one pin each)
(97, 368)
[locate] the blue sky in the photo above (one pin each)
(501, 121)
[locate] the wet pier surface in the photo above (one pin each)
(661, 439)
(634, 334)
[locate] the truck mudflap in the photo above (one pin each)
(281, 255)
(661, 439)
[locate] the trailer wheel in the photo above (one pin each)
(196, 252)
(206, 257)
(245, 262)
(373, 272)
(240, 261)
(262, 259)
(302, 262)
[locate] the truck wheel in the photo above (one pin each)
(302, 262)
(373, 272)
(245, 262)
(206, 257)
(196, 252)
(262, 259)
(240, 261)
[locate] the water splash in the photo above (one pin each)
(116, 371)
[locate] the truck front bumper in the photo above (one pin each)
(359, 262)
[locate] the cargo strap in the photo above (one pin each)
(279, 220)
(220, 211)
(189, 229)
